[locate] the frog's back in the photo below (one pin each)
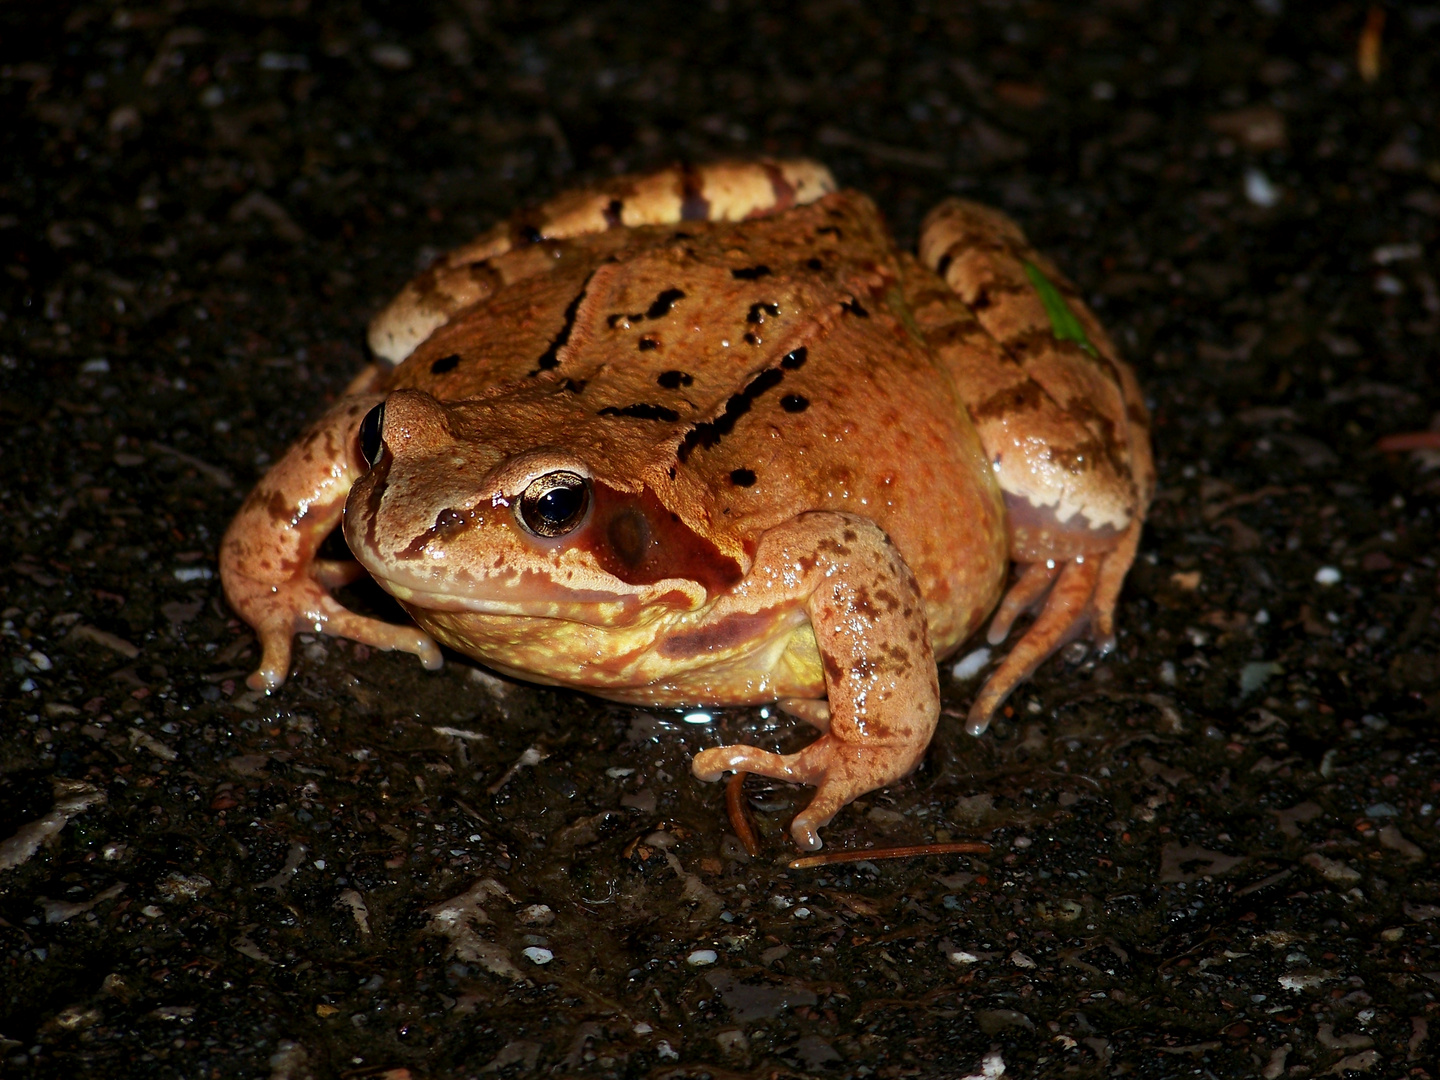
(769, 356)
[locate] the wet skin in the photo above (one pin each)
(706, 437)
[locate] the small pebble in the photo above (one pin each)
(701, 957)
(971, 664)
(1259, 190)
(537, 955)
(1327, 575)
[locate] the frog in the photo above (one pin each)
(706, 436)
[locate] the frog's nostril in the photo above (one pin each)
(372, 445)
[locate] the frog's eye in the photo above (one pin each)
(555, 503)
(371, 444)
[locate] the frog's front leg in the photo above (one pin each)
(879, 668)
(267, 559)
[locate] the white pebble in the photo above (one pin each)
(701, 957)
(959, 957)
(971, 664)
(1259, 190)
(41, 661)
(537, 955)
(1327, 575)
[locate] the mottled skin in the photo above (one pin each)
(808, 462)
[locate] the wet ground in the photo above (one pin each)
(1213, 852)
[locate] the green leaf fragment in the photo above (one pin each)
(1063, 323)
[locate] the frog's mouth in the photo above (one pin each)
(470, 561)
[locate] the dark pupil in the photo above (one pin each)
(554, 504)
(559, 504)
(371, 444)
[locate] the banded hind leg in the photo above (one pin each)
(1060, 417)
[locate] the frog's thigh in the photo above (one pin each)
(869, 622)
(723, 191)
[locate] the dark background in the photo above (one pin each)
(1213, 852)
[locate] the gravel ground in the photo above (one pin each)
(1213, 852)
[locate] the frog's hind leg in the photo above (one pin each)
(722, 191)
(1060, 417)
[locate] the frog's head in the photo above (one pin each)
(495, 507)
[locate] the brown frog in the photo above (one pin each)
(706, 437)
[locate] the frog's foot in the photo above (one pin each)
(1067, 611)
(841, 771)
(279, 611)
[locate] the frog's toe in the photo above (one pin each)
(710, 765)
(339, 621)
(334, 573)
(1029, 589)
(1066, 613)
(274, 663)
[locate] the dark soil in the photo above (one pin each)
(1214, 851)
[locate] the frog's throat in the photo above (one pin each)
(670, 660)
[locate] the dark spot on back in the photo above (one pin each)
(854, 307)
(663, 303)
(445, 363)
(710, 432)
(645, 344)
(550, 358)
(794, 403)
(750, 273)
(751, 339)
(528, 234)
(612, 212)
(815, 264)
(574, 386)
(795, 360)
(742, 477)
(673, 380)
(642, 411)
(828, 230)
(760, 310)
